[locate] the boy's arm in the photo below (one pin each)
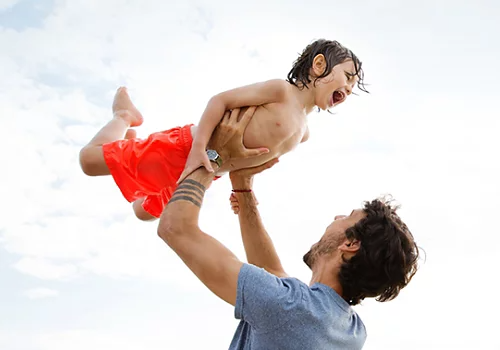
(259, 247)
(270, 91)
(250, 95)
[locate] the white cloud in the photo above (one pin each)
(427, 133)
(40, 293)
(7, 4)
(46, 269)
(95, 339)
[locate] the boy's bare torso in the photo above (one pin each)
(278, 126)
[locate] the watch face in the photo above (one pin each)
(212, 155)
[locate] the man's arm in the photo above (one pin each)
(215, 265)
(259, 247)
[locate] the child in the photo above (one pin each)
(148, 171)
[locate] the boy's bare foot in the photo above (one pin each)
(124, 108)
(130, 134)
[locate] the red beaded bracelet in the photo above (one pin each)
(241, 191)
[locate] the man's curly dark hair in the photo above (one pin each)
(387, 257)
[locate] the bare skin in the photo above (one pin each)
(125, 116)
(278, 126)
(279, 121)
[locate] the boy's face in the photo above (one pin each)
(333, 89)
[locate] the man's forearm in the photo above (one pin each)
(183, 209)
(259, 247)
(215, 265)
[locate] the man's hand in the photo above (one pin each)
(227, 138)
(235, 205)
(243, 180)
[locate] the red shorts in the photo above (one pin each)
(149, 168)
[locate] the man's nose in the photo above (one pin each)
(339, 217)
(348, 90)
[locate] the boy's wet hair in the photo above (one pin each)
(334, 54)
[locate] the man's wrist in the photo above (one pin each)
(224, 156)
(242, 184)
(246, 199)
(215, 166)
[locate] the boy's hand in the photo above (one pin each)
(197, 157)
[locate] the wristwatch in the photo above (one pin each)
(213, 156)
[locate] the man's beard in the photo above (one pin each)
(309, 258)
(324, 246)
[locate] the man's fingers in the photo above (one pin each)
(225, 119)
(265, 166)
(235, 206)
(269, 164)
(254, 152)
(233, 118)
(247, 116)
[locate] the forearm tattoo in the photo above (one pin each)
(191, 191)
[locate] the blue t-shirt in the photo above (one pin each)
(285, 313)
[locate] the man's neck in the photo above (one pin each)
(325, 274)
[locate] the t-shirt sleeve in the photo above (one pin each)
(263, 299)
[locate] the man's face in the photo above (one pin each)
(333, 237)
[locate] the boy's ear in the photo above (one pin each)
(319, 65)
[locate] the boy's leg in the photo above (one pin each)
(125, 115)
(140, 212)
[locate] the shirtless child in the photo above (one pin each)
(148, 171)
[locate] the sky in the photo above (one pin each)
(78, 271)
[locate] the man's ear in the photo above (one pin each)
(350, 246)
(319, 65)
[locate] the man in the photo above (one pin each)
(369, 253)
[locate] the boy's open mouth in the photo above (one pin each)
(338, 97)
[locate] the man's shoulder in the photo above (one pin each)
(253, 277)
(254, 272)
(285, 310)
